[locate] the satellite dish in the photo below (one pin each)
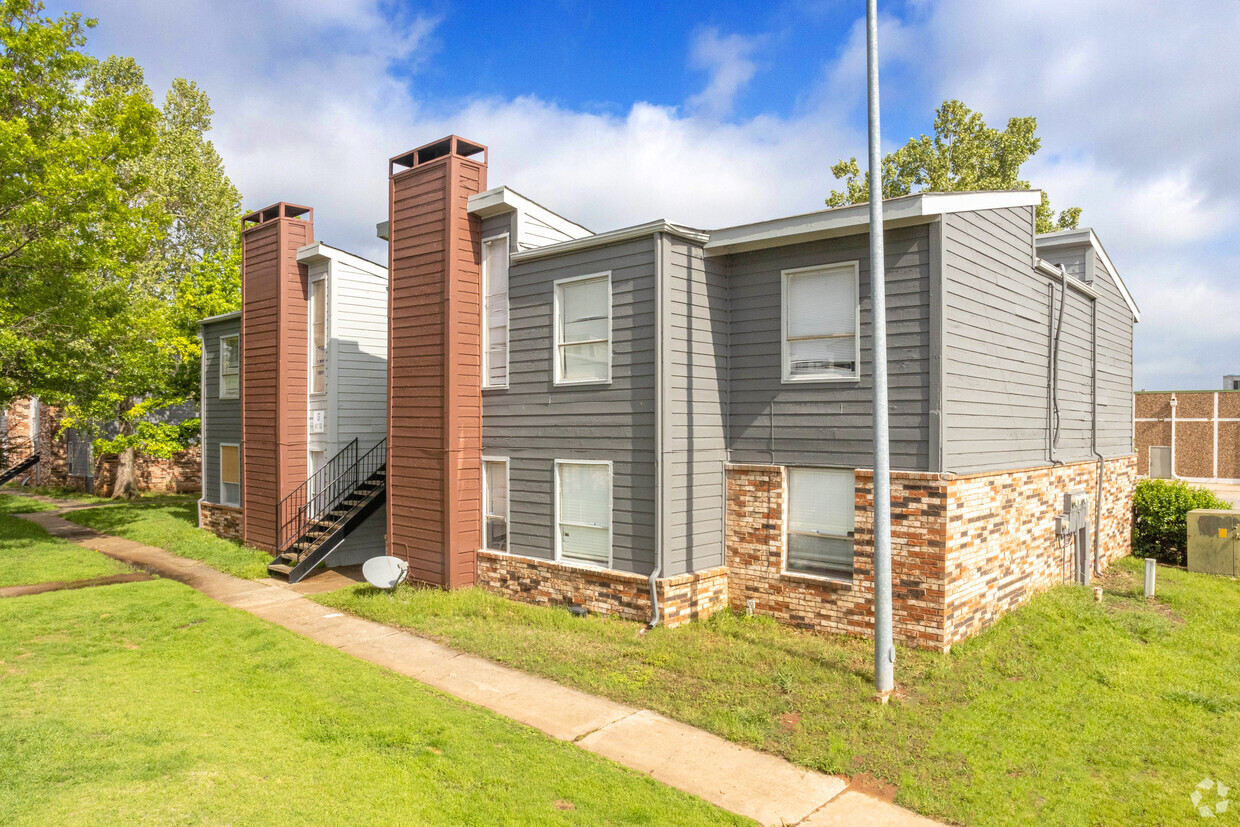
(385, 572)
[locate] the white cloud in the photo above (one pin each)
(729, 61)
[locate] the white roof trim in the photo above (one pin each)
(908, 209)
(318, 251)
(1086, 235)
(236, 314)
(502, 199)
(612, 237)
(1057, 272)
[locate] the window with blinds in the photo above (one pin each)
(230, 367)
(583, 330)
(583, 513)
(495, 504)
(495, 312)
(318, 336)
(230, 475)
(820, 323)
(820, 521)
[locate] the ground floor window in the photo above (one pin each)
(583, 512)
(230, 475)
(821, 505)
(495, 504)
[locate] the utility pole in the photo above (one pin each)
(884, 651)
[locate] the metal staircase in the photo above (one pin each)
(16, 456)
(317, 517)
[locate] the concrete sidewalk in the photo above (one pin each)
(760, 786)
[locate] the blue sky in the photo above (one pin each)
(720, 113)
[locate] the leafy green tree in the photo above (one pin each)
(67, 209)
(964, 154)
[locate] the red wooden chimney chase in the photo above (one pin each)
(274, 364)
(434, 473)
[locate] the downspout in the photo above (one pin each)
(1102, 466)
(658, 430)
(1063, 301)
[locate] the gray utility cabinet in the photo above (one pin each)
(1212, 542)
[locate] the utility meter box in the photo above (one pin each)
(1212, 541)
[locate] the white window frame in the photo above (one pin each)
(783, 557)
(785, 363)
(611, 513)
(237, 347)
(486, 499)
(558, 289)
(487, 384)
(220, 474)
(327, 340)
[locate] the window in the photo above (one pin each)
(583, 512)
(495, 312)
(230, 367)
(821, 503)
(583, 330)
(820, 323)
(318, 336)
(495, 504)
(230, 474)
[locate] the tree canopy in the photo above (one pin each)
(964, 154)
(118, 231)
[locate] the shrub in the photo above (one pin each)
(1160, 518)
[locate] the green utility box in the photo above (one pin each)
(1212, 542)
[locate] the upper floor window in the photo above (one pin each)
(583, 329)
(495, 312)
(230, 367)
(318, 336)
(820, 313)
(821, 518)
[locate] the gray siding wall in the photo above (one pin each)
(695, 380)
(997, 315)
(829, 423)
(222, 416)
(533, 422)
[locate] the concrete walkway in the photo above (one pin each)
(763, 787)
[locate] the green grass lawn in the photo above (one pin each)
(58, 493)
(149, 702)
(1066, 712)
(173, 526)
(28, 554)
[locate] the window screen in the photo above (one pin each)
(583, 330)
(584, 498)
(230, 475)
(495, 285)
(495, 504)
(318, 336)
(821, 507)
(820, 323)
(230, 367)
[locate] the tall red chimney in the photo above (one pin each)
(274, 363)
(434, 473)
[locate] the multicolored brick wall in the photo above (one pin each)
(221, 520)
(603, 591)
(755, 558)
(1002, 547)
(965, 550)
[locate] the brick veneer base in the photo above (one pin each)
(221, 520)
(603, 591)
(965, 549)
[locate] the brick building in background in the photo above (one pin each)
(1189, 435)
(662, 421)
(66, 459)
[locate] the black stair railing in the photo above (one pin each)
(16, 452)
(317, 495)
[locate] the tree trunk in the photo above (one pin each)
(125, 486)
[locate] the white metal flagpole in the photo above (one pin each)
(884, 650)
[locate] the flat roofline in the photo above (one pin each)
(907, 209)
(235, 314)
(1197, 390)
(612, 237)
